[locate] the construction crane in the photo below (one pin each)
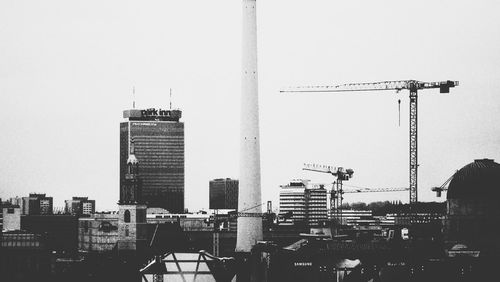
(336, 191)
(371, 190)
(443, 187)
(413, 86)
(354, 189)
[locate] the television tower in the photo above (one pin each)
(249, 198)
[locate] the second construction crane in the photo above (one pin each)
(337, 191)
(413, 86)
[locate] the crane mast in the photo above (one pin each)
(413, 86)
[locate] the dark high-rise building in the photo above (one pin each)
(223, 193)
(158, 138)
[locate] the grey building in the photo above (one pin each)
(223, 193)
(37, 204)
(79, 206)
(158, 137)
(98, 233)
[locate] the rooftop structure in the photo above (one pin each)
(189, 267)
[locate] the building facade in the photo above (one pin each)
(316, 206)
(302, 202)
(79, 206)
(1, 219)
(98, 233)
(159, 147)
(88, 207)
(37, 204)
(24, 256)
(223, 193)
(16, 201)
(60, 230)
(11, 217)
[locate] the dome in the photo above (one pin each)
(477, 180)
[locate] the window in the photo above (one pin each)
(126, 216)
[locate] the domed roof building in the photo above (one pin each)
(473, 209)
(480, 179)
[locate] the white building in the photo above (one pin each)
(11, 217)
(301, 201)
(88, 207)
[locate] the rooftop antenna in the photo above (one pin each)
(133, 97)
(170, 98)
(399, 112)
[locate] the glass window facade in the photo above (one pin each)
(159, 148)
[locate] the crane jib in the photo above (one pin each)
(384, 85)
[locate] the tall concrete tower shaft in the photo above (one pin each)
(249, 198)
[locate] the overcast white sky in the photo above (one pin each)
(67, 69)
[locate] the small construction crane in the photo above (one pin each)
(371, 190)
(413, 86)
(443, 187)
(336, 191)
(354, 189)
